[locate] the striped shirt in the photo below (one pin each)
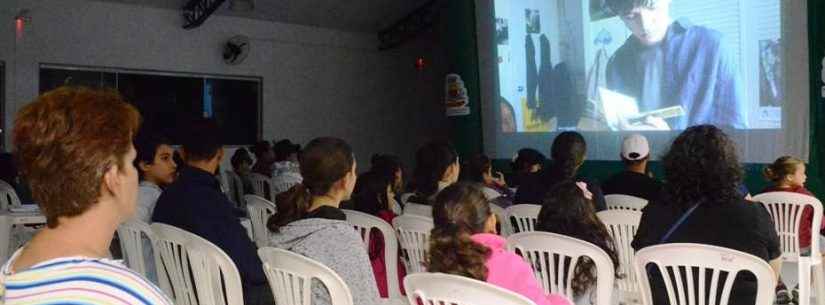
(77, 280)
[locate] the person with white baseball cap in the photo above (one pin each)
(634, 180)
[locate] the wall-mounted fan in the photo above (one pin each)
(236, 50)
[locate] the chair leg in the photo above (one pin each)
(804, 283)
(819, 283)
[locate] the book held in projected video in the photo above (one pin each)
(622, 112)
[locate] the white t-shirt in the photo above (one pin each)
(148, 194)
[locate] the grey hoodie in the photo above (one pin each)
(335, 244)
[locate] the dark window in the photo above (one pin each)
(168, 102)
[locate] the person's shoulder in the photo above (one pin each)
(110, 277)
(703, 36)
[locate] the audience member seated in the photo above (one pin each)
(75, 148)
(286, 172)
(195, 203)
(242, 166)
(10, 174)
(479, 169)
(701, 203)
(463, 242)
(527, 161)
(436, 167)
(390, 166)
(264, 158)
(568, 153)
(568, 210)
(157, 170)
(635, 180)
(309, 221)
(372, 195)
(787, 174)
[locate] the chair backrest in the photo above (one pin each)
(413, 234)
(424, 210)
(365, 223)
(290, 276)
(5, 237)
(197, 271)
(622, 226)
(440, 288)
(717, 266)
(131, 235)
(554, 257)
(522, 217)
(8, 197)
(786, 209)
(503, 219)
(260, 185)
(259, 210)
(236, 191)
(624, 202)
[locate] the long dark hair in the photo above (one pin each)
(702, 166)
(568, 152)
(371, 193)
(475, 168)
(324, 161)
(460, 210)
(431, 162)
(566, 211)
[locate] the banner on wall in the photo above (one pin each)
(456, 101)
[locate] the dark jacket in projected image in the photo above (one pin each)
(699, 72)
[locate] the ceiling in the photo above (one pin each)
(357, 16)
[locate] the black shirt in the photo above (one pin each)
(535, 186)
(326, 212)
(633, 184)
(742, 225)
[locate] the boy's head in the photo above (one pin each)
(155, 161)
(635, 150)
(202, 145)
(648, 20)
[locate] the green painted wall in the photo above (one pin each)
(467, 131)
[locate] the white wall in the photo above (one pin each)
(315, 81)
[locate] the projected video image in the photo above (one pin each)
(614, 65)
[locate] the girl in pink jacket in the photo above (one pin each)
(464, 242)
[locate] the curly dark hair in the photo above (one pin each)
(566, 211)
(702, 166)
(460, 210)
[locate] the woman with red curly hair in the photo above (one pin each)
(75, 149)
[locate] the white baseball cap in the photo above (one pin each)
(635, 147)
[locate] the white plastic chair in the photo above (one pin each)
(504, 220)
(364, 223)
(786, 210)
(622, 226)
(554, 257)
(5, 238)
(440, 288)
(413, 234)
(131, 234)
(261, 185)
(259, 210)
(8, 197)
(424, 210)
(684, 261)
(524, 216)
(290, 276)
(214, 277)
(624, 202)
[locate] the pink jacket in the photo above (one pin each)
(509, 271)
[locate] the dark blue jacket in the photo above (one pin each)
(195, 203)
(700, 73)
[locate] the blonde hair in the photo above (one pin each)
(781, 168)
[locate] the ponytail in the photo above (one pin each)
(568, 151)
(292, 205)
(453, 251)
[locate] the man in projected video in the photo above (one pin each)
(671, 63)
